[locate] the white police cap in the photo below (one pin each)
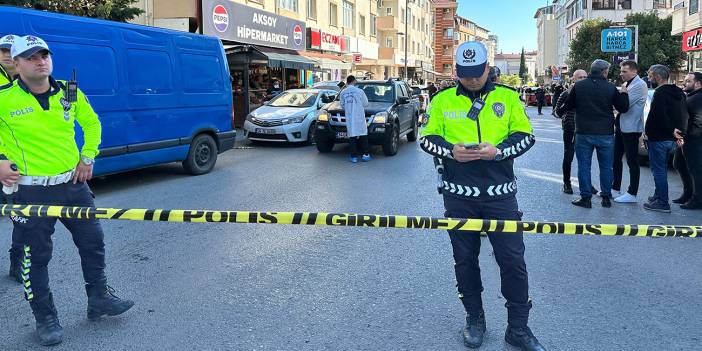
(27, 46)
(471, 59)
(6, 41)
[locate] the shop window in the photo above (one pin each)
(694, 6)
(373, 25)
(362, 25)
(312, 9)
(288, 5)
(333, 15)
(349, 15)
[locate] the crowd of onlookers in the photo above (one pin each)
(599, 117)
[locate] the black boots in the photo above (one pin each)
(474, 330)
(103, 302)
(49, 330)
(606, 201)
(523, 338)
(583, 202)
(568, 189)
(16, 256)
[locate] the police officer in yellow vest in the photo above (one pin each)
(7, 73)
(475, 131)
(41, 159)
(7, 66)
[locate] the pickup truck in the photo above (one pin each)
(392, 113)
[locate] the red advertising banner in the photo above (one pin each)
(692, 40)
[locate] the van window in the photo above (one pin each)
(95, 67)
(149, 72)
(201, 73)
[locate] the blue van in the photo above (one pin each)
(161, 95)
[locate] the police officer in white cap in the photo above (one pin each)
(475, 131)
(7, 66)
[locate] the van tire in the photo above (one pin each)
(202, 155)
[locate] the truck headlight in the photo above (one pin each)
(323, 117)
(380, 117)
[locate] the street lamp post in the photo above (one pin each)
(406, 35)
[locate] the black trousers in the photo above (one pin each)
(509, 254)
(35, 234)
(627, 144)
(568, 154)
(359, 145)
(540, 105)
(692, 151)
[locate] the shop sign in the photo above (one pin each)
(616, 40)
(692, 40)
(236, 22)
(321, 40)
(357, 58)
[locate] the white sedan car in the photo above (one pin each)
(289, 117)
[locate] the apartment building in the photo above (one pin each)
(687, 20)
(510, 63)
(405, 37)
(547, 38)
(450, 31)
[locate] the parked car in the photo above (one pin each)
(530, 94)
(392, 113)
(329, 85)
(161, 95)
(289, 117)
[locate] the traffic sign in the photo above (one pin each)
(616, 40)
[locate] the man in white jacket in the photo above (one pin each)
(354, 101)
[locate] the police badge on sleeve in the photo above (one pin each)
(499, 109)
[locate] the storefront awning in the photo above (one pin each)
(275, 58)
(326, 61)
(279, 58)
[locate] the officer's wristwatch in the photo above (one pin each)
(499, 156)
(86, 160)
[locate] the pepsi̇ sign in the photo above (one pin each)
(220, 18)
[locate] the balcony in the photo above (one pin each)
(387, 23)
(386, 53)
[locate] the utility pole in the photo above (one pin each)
(406, 35)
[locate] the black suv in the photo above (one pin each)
(391, 114)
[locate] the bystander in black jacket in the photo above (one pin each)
(567, 116)
(694, 109)
(668, 112)
(595, 98)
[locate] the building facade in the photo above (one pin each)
(405, 37)
(510, 63)
(444, 12)
(547, 38)
(687, 20)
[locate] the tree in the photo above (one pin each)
(585, 48)
(512, 80)
(523, 71)
(116, 10)
(656, 44)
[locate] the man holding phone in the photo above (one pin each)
(478, 181)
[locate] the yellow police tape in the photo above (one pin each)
(350, 220)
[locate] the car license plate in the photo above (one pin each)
(341, 135)
(265, 131)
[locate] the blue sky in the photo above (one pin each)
(511, 20)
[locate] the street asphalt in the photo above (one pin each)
(264, 287)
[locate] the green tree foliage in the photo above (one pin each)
(656, 44)
(585, 48)
(523, 71)
(512, 80)
(116, 10)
